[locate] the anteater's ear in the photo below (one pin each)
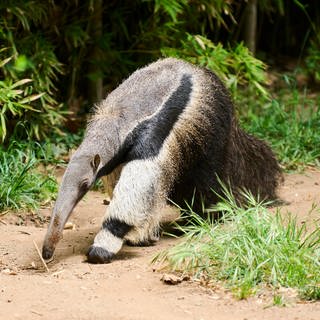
(95, 162)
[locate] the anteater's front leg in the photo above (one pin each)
(133, 212)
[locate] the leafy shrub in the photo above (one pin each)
(29, 69)
(236, 67)
(15, 103)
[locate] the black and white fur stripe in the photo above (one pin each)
(146, 139)
(113, 232)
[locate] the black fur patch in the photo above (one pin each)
(113, 163)
(145, 243)
(117, 227)
(99, 255)
(146, 140)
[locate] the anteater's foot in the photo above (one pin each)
(99, 255)
(141, 243)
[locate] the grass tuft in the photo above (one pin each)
(249, 247)
(289, 123)
(278, 300)
(21, 185)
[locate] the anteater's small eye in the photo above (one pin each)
(84, 185)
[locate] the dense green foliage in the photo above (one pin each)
(234, 66)
(29, 68)
(247, 248)
(58, 57)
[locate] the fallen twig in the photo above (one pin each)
(39, 253)
(50, 260)
(25, 232)
(36, 312)
(3, 222)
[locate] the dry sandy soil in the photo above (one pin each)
(129, 287)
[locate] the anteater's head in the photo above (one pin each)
(80, 175)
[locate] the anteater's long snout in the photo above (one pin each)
(49, 244)
(54, 234)
(66, 201)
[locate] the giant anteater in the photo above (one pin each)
(169, 132)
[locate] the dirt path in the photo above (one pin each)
(128, 288)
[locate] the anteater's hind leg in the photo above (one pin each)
(133, 212)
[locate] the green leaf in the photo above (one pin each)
(20, 83)
(5, 61)
(3, 126)
(32, 98)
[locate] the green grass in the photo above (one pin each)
(279, 301)
(290, 123)
(247, 249)
(22, 186)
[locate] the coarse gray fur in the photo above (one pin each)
(167, 132)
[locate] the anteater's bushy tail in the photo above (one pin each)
(251, 165)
